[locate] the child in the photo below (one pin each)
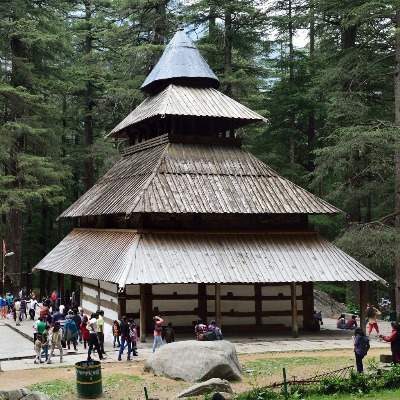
(38, 349)
(85, 332)
(361, 347)
(133, 337)
(45, 343)
(169, 333)
(116, 333)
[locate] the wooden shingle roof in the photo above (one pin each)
(194, 178)
(186, 101)
(139, 257)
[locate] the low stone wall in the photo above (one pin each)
(20, 394)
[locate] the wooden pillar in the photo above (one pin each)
(143, 313)
(258, 303)
(295, 327)
(363, 305)
(98, 295)
(218, 304)
(60, 289)
(121, 302)
(202, 304)
(307, 292)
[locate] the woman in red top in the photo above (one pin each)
(394, 339)
(85, 331)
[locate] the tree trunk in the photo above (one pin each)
(292, 112)
(88, 100)
(397, 159)
(14, 218)
(228, 51)
(311, 115)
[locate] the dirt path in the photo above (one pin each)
(163, 388)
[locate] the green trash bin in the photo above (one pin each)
(88, 379)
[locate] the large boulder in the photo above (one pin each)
(194, 361)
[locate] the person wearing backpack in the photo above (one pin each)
(213, 332)
(372, 312)
(361, 347)
(158, 321)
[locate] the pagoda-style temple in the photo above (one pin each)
(188, 224)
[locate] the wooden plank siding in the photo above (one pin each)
(237, 307)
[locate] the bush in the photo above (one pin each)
(356, 384)
(391, 379)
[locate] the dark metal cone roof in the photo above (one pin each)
(181, 63)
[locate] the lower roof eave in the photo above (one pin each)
(130, 257)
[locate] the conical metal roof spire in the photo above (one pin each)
(182, 64)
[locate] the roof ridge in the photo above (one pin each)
(147, 144)
(147, 184)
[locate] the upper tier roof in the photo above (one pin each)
(187, 101)
(181, 63)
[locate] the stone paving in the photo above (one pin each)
(17, 351)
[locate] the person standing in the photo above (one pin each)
(77, 319)
(169, 334)
(93, 339)
(372, 312)
(361, 347)
(70, 332)
(23, 309)
(3, 305)
(32, 307)
(115, 333)
(54, 300)
(45, 344)
(124, 332)
(10, 299)
(84, 318)
(100, 330)
(17, 307)
(55, 341)
(394, 339)
(133, 335)
(44, 311)
(158, 321)
(38, 350)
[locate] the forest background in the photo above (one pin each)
(70, 71)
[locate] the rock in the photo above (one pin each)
(193, 361)
(22, 394)
(330, 308)
(385, 358)
(37, 396)
(206, 387)
(16, 394)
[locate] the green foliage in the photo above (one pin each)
(56, 389)
(336, 387)
(335, 290)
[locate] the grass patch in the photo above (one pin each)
(56, 390)
(114, 382)
(59, 389)
(297, 366)
(381, 395)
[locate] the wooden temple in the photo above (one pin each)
(188, 224)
